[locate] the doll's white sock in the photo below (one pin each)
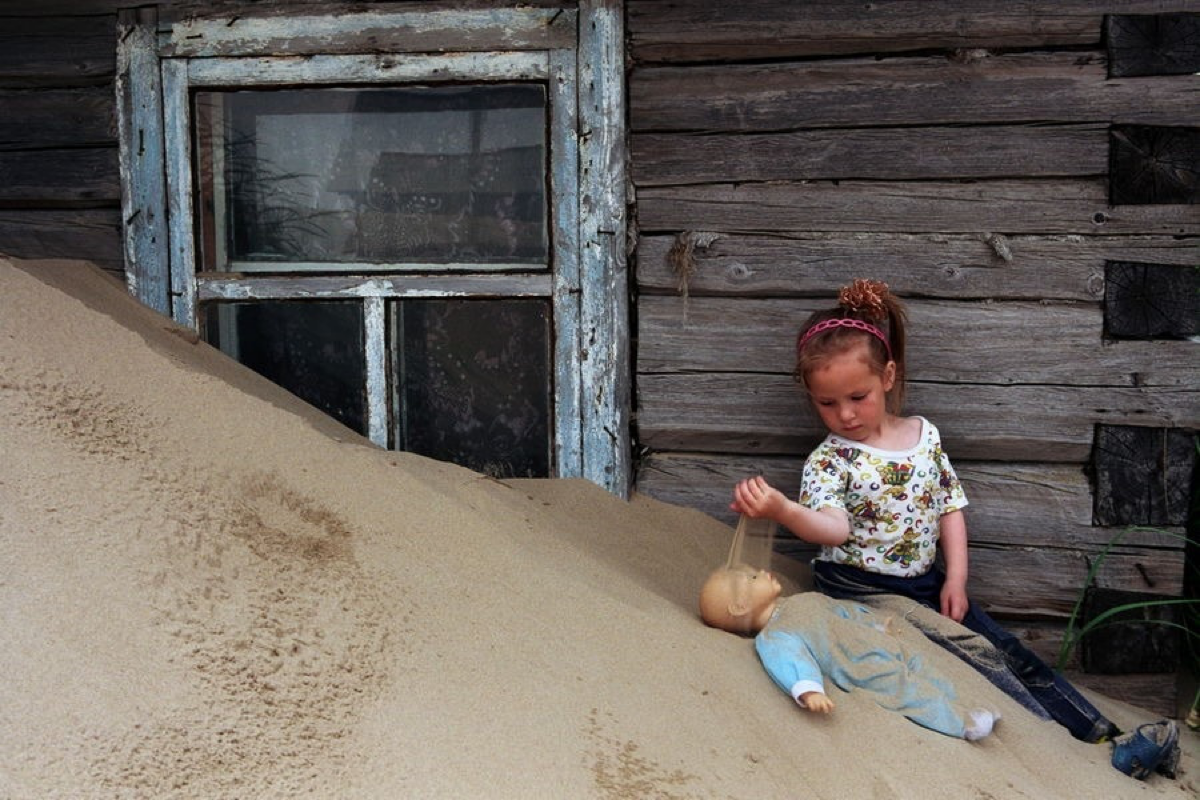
(980, 722)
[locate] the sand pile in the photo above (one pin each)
(211, 591)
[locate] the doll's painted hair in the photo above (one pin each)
(867, 313)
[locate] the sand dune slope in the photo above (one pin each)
(211, 591)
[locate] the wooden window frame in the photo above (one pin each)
(577, 52)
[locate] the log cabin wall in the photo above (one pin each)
(60, 188)
(967, 153)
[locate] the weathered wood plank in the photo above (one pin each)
(1046, 206)
(564, 188)
(403, 31)
(712, 30)
(63, 8)
(1020, 87)
(57, 117)
(872, 154)
(235, 286)
(953, 342)
(765, 414)
(177, 11)
(1020, 504)
(365, 69)
(46, 178)
(57, 51)
(604, 313)
(138, 89)
(961, 267)
(89, 234)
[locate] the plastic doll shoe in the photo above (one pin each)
(1153, 746)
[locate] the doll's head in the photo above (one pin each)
(868, 318)
(739, 599)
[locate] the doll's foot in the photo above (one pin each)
(980, 722)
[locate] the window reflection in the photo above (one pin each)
(426, 175)
(472, 383)
(314, 349)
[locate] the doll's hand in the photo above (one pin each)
(817, 702)
(756, 498)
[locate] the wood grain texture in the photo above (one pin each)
(838, 93)
(1006, 206)
(979, 266)
(951, 342)
(748, 413)
(59, 178)
(718, 30)
(872, 153)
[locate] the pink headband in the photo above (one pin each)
(840, 322)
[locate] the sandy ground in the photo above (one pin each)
(211, 591)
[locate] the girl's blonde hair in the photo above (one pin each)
(867, 313)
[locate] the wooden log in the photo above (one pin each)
(1146, 301)
(1005, 89)
(1011, 504)
(952, 342)
(65, 8)
(717, 30)
(182, 10)
(1145, 640)
(1143, 475)
(46, 178)
(1153, 44)
(92, 234)
(1154, 164)
(962, 267)
(57, 51)
(1045, 206)
(766, 414)
(58, 117)
(872, 154)
(401, 28)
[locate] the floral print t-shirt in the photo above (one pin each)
(895, 500)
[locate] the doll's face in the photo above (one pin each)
(755, 588)
(737, 599)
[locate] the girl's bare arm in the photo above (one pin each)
(756, 498)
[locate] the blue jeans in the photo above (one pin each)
(990, 649)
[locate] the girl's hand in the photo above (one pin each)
(757, 499)
(954, 601)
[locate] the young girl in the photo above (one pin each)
(880, 497)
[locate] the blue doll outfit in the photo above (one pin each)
(810, 637)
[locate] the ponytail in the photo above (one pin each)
(867, 311)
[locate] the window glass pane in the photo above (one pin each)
(328, 176)
(473, 383)
(313, 349)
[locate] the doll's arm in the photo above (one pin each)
(787, 658)
(757, 499)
